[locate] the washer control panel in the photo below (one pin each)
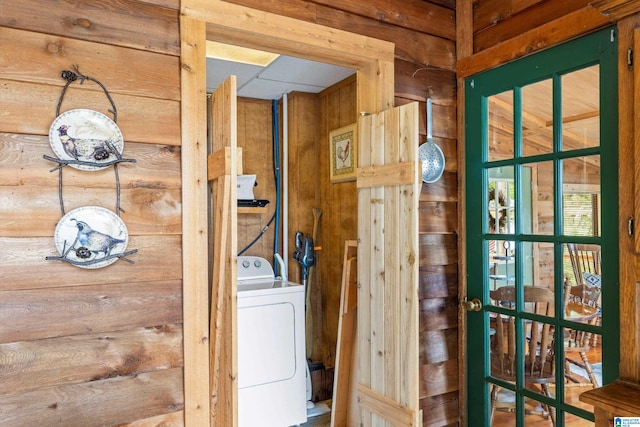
(254, 267)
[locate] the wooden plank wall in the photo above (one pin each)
(506, 30)
(85, 347)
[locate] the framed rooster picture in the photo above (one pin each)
(343, 153)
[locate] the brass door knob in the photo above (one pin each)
(472, 305)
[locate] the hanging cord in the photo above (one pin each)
(102, 154)
(264, 230)
(70, 77)
(275, 156)
(275, 164)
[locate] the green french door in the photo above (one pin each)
(542, 234)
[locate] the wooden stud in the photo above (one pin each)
(344, 370)
(569, 26)
(194, 195)
(392, 174)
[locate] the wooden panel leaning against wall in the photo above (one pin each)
(90, 346)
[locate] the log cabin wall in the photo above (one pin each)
(106, 344)
(83, 347)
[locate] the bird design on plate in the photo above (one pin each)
(95, 241)
(91, 237)
(85, 149)
(87, 136)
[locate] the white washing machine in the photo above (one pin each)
(271, 347)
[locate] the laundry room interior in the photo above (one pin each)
(286, 164)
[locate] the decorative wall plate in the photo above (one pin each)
(87, 136)
(91, 237)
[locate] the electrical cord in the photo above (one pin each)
(275, 164)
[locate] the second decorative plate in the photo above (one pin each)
(90, 236)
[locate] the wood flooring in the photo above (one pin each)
(505, 419)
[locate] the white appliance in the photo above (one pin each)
(271, 347)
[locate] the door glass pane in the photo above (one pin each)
(581, 196)
(501, 266)
(581, 109)
(582, 302)
(503, 343)
(534, 355)
(537, 118)
(500, 126)
(582, 367)
(538, 413)
(540, 208)
(501, 196)
(538, 264)
(504, 407)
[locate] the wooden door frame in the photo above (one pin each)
(217, 20)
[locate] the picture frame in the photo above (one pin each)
(343, 153)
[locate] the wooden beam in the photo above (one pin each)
(423, 32)
(464, 49)
(386, 408)
(576, 118)
(416, 15)
(519, 20)
(247, 27)
(568, 27)
(219, 163)
(617, 9)
(194, 217)
(390, 174)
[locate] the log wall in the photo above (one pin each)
(117, 331)
(80, 346)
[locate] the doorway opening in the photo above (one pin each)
(374, 61)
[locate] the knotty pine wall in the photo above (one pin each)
(83, 347)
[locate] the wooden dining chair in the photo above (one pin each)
(539, 365)
(585, 258)
(578, 343)
(586, 262)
